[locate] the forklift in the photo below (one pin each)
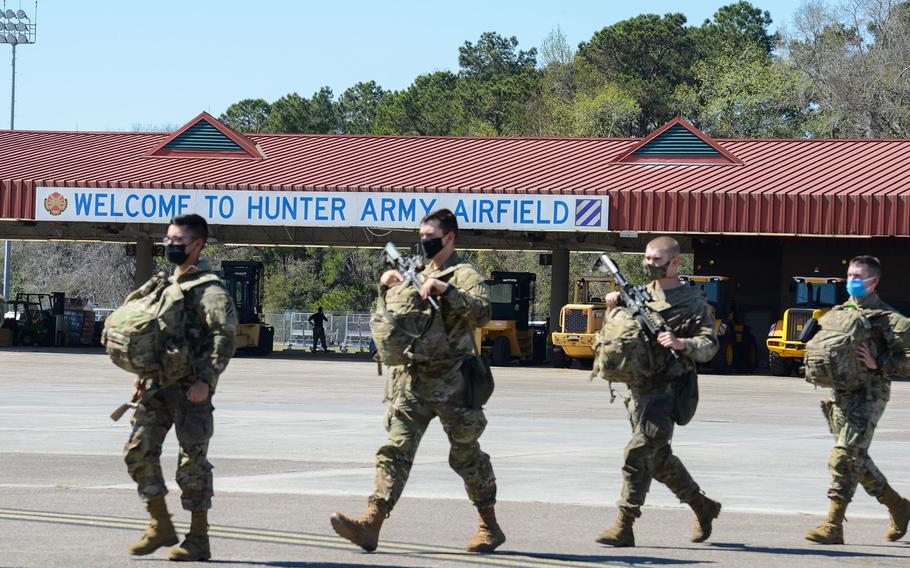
(243, 280)
(37, 319)
(510, 334)
(738, 347)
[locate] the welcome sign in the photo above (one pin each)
(322, 209)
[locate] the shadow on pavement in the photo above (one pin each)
(554, 557)
(811, 551)
(294, 564)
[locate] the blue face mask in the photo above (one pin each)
(857, 288)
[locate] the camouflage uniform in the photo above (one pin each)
(853, 415)
(210, 328)
(648, 454)
(423, 391)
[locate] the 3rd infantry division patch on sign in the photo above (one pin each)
(588, 212)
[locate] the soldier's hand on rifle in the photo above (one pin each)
(864, 354)
(198, 392)
(612, 299)
(390, 277)
(138, 390)
(433, 287)
(668, 340)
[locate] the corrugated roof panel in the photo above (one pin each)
(857, 187)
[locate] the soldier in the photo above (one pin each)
(317, 320)
(186, 403)
(426, 390)
(853, 415)
(651, 406)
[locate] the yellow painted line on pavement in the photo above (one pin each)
(305, 539)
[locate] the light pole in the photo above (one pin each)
(16, 28)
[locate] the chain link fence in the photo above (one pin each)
(346, 332)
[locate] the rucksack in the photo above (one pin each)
(831, 360)
(402, 326)
(623, 353)
(145, 335)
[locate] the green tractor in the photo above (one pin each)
(33, 320)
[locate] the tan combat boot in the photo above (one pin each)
(489, 535)
(706, 510)
(831, 531)
(620, 534)
(365, 531)
(160, 531)
(898, 510)
(195, 546)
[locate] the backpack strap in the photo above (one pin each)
(204, 279)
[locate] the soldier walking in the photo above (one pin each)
(653, 405)
(853, 414)
(435, 388)
(183, 398)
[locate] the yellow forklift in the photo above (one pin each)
(813, 296)
(580, 321)
(243, 280)
(738, 346)
(510, 335)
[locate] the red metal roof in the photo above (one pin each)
(808, 187)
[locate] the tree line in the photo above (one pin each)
(834, 71)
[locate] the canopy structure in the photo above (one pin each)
(557, 194)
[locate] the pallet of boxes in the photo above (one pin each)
(80, 323)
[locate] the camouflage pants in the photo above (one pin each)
(194, 425)
(409, 414)
(648, 454)
(852, 418)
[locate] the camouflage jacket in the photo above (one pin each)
(462, 308)
(211, 324)
(689, 315)
(891, 343)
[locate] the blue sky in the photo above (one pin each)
(112, 64)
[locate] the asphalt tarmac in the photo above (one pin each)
(295, 437)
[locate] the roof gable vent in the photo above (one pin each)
(206, 137)
(678, 142)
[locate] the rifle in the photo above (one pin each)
(634, 299)
(121, 410)
(410, 268)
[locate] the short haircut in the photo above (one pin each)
(668, 244)
(444, 218)
(194, 224)
(872, 264)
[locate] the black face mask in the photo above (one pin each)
(656, 272)
(431, 247)
(176, 254)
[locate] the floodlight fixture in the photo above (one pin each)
(9, 26)
(10, 14)
(11, 39)
(2, 38)
(22, 38)
(21, 27)
(21, 15)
